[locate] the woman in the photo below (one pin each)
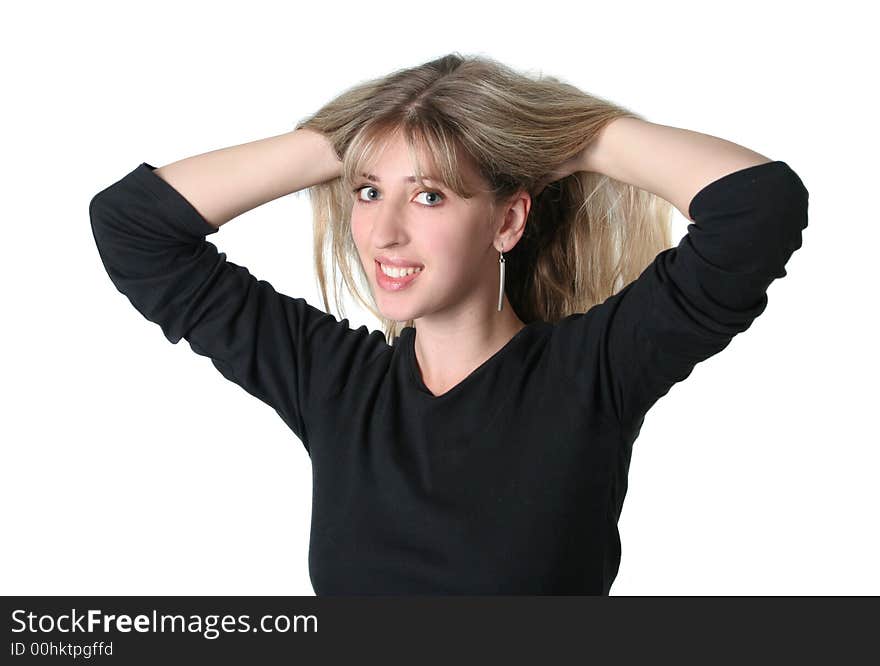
(481, 443)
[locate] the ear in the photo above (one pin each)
(515, 216)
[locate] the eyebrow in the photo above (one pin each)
(408, 179)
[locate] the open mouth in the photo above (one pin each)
(398, 281)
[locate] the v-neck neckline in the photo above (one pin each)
(415, 374)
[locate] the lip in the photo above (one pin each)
(394, 284)
(398, 262)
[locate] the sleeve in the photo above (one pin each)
(690, 302)
(281, 350)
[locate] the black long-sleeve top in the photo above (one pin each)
(513, 481)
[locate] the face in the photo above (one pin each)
(453, 239)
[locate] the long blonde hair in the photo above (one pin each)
(587, 235)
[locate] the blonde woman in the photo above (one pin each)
(512, 234)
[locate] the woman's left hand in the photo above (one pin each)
(570, 166)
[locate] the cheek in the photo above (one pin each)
(356, 227)
(455, 255)
(439, 248)
(359, 236)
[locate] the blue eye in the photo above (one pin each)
(436, 194)
(358, 190)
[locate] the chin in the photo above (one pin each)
(398, 314)
(401, 306)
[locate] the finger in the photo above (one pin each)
(543, 183)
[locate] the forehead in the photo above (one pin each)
(392, 162)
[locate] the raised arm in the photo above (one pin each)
(747, 215)
(151, 240)
(224, 183)
(671, 162)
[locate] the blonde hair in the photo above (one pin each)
(587, 235)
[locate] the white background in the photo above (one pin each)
(131, 466)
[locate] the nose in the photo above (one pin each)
(388, 223)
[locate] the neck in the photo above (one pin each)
(447, 352)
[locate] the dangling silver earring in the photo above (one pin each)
(501, 282)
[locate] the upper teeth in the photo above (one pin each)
(394, 271)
